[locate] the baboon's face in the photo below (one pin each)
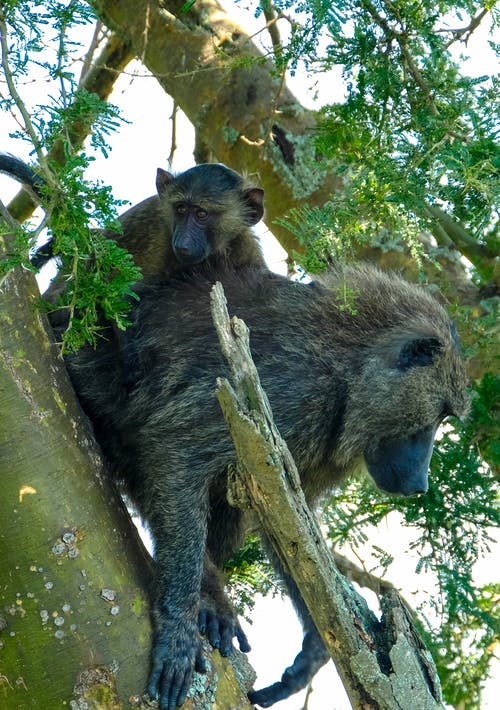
(402, 465)
(207, 207)
(193, 226)
(397, 405)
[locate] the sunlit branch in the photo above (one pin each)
(99, 80)
(400, 38)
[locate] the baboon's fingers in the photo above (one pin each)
(270, 695)
(242, 639)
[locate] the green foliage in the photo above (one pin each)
(334, 232)
(249, 571)
(484, 426)
(98, 273)
(85, 109)
(17, 243)
(414, 131)
(308, 22)
(454, 526)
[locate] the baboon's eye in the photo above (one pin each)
(418, 352)
(181, 208)
(202, 215)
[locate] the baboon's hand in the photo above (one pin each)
(270, 695)
(297, 676)
(176, 654)
(220, 626)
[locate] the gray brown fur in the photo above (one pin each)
(345, 388)
(148, 226)
(232, 205)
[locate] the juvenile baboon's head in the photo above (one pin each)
(207, 207)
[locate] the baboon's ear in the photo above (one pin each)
(163, 180)
(254, 198)
(418, 353)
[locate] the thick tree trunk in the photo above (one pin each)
(74, 617)
(72, 594)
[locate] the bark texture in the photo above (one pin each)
(74, 612)
(383, 664)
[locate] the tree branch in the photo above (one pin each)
(99, 80)
(361, 576)
(272, 18)
(377, 661)
(451, 233)
(466, 31)
(206, 49)
(400, 38)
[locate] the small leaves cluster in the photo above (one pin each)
(249, 571)
(98, 273)
(16, 243)
(414, 131)
(308, 22)
(86, 110)
(364, 216)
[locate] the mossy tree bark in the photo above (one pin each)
(74, 616)
(72, 578)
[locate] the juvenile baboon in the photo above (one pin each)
(201, 215)
(350, 388)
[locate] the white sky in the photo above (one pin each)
(138, 148)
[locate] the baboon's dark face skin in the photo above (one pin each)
(207, 207)
(402, 465)
(347, 386)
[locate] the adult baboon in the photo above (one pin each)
(202, 214)
(350, 389)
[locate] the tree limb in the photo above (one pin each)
(230, 92)
(450, 232)
(377, 661)
(99, 80)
